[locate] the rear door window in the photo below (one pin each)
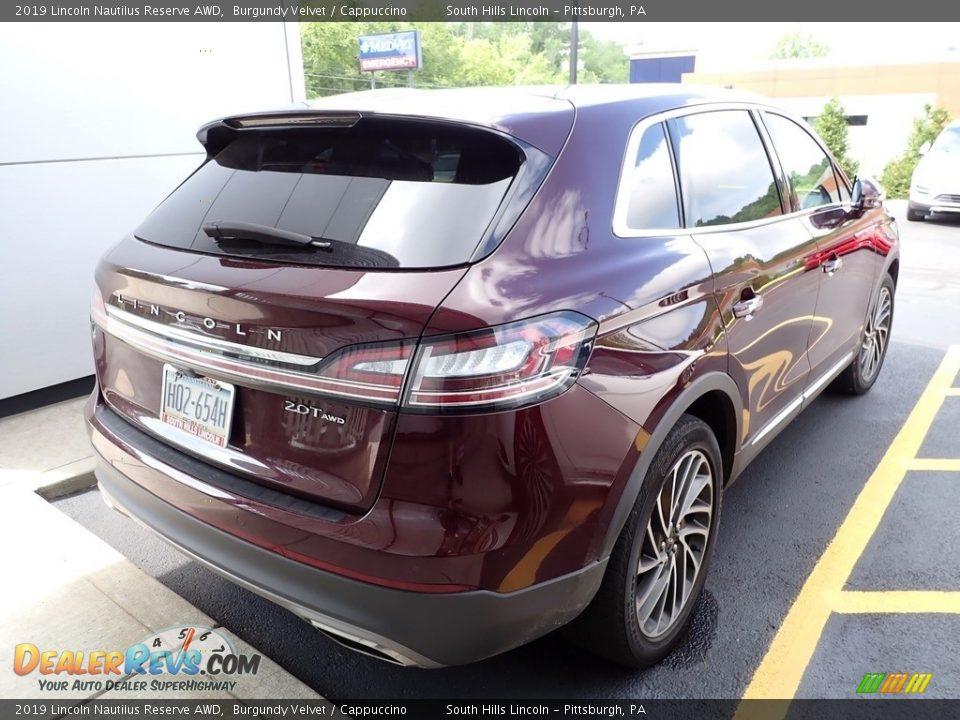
(725, 173)
(384, 193)
(648, 191)
(809, 171)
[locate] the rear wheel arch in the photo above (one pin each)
(713, 398)
(894, 271)
(716, 409)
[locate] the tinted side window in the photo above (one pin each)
(808, 169)
(650, 191)
(724, 169)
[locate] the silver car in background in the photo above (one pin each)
(935, 185)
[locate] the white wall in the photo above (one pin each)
(889, 121)
(97, 125)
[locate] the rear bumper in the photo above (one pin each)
(411, 628)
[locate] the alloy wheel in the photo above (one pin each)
(674, 544)
(875, 336)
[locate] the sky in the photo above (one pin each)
(739, 42)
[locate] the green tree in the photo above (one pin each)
(603, 61)
(459, 54)
(831, 125)
(897, 173)
(798, 45)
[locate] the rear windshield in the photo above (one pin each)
(383, 193)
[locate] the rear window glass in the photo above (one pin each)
(383, 193)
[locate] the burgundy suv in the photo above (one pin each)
(442, 371)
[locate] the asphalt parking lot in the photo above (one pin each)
(839, 551)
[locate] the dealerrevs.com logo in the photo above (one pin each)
(186, 658)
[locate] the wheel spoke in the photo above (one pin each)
(652, 596)
(674, 580)
(868, 367)
(682, 562)
(681, 475)
(695, 489)
(692, 555)
(695, 529)
(883, 315)
(648, 563)
(876, 335)
(664, 525)
(652, 540)
(674, 543)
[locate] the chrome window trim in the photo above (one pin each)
(619, 226)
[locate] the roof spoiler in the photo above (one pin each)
(216, 135)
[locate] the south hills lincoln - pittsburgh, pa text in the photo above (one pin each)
(541, 11)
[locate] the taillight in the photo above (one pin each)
(502, 367)
(371, 373)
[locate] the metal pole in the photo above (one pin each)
(373, 80)
(574, 42)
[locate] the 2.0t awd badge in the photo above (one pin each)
(302, 409)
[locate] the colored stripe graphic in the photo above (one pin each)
(894, 683)
(871, 682)
(918, 682)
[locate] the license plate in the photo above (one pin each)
(197, 405)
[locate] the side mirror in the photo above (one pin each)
(867, 194)
(924, 149)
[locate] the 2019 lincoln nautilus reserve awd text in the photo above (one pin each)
(443, 371)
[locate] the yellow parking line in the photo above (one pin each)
(933, 464)
(894, 601)
(952, 391)
(782, 668)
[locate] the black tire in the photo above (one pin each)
(915, 215)
(610, 626)
(854, 380)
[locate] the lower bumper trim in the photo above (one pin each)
(408, 628)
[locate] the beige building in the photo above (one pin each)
(940, 79)
(881, 101)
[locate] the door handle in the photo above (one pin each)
(747, 307)
(832, 264)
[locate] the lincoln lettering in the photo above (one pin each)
(154, 310)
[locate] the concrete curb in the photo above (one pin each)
(66, 480)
